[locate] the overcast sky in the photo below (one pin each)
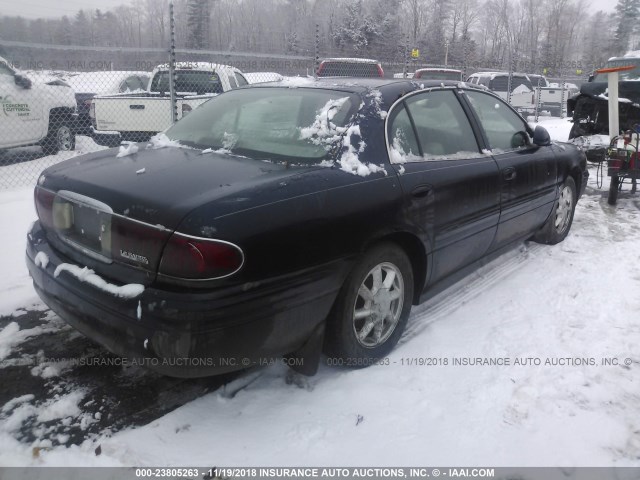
(53, 8)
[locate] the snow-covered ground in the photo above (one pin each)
(568, 307)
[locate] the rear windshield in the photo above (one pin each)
(438, 75)
(500, 83)
(346, 69)
(301, 124)
(188, 82)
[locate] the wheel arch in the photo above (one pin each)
(415, 250)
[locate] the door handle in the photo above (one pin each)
(509, 174)
(136, 107)
(421, 191)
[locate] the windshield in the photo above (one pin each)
(623, 76)
(292, 124)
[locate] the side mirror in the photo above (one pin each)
(22, 81)
(541, 137)
(591, 77)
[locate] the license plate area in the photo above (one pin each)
(83, 223)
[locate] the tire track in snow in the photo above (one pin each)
(445, 303)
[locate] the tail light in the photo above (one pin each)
(380, 71)
(195, 258)
(320, 69)
(92, 109)
(44, 206)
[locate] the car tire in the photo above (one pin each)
(614, 187)
(380, 285)
(557, 226)
(59, 138)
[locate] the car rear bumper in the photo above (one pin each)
(196, 333)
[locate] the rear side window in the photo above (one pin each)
(442, 129)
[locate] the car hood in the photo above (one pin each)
(161, 186)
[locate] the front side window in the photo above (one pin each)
(504, 128)
(270, 123)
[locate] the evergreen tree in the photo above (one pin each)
(628, 13)
(198, 13)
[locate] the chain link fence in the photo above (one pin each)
(61, 101)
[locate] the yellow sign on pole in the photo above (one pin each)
(544, 71)
(415, 53)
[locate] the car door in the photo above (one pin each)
(451, 189)
(528, 172)
(21, 116)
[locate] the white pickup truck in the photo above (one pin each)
(37, 110)
(551, 98)
(522, 94)
(138, 116)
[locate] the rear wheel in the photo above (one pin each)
(614, 187)
(559, 222)
(372, 308)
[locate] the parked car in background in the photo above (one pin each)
(36, 110)
(138, 116)
(522, 96)
(438, 74)
(87, 85)
(282, 221)
(553, 96)
(350, 67)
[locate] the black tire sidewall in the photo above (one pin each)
(340, 340)
(549, 234)
(51, 145)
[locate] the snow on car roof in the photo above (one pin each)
(495, 74)
(210, 66)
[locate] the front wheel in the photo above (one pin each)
(372, 307)
(559, 222)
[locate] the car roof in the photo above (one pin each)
(388, 86)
